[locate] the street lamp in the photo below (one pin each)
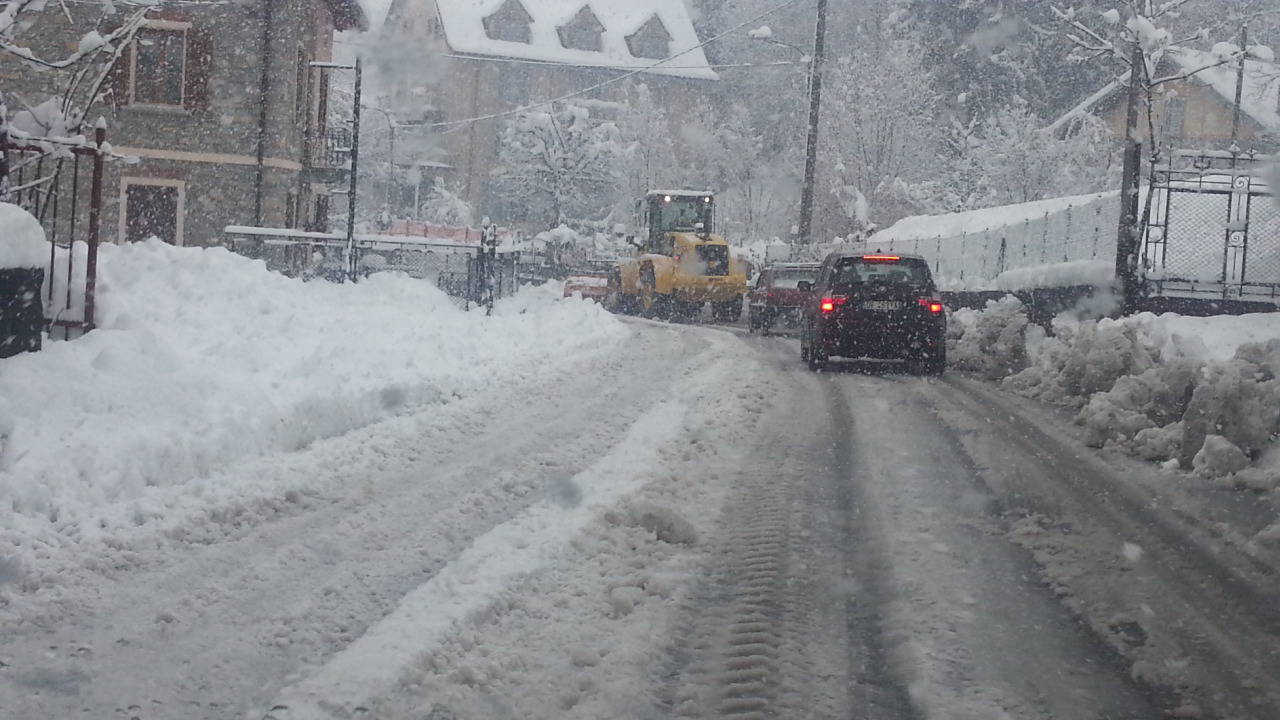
(815, 107)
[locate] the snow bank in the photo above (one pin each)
(22, 242)
(1098, 273)
(1200, 393)
(204, 358)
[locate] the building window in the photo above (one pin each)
(153, 208)
(651, 41)
(509, 23)
(159, 66)
(1175, 118)
(582, 32)
(168, 64)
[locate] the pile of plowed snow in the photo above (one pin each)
(204, 359)
(1198, 393)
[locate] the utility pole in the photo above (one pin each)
(4, 151)
(1127, 235)
(1244, 54)
(355, 170)
(815, 107)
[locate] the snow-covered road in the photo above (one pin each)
(687, 525)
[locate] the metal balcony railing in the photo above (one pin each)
(330, 148)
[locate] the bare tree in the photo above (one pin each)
(76, 80)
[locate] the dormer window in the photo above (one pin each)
(582, 32)
(509, 23)
(651, 41)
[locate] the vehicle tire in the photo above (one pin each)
(652, 304)
(936, 364)
(686, 311)
(817, 360)
(729, 311)
(815, 357)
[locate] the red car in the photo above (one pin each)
(592, 286)
(777, 299)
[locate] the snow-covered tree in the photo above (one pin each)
(881, 125)
(559, 164)
(32, 34)
(1135, 39)
(646, 158)
(1012, 158)
(445, 206)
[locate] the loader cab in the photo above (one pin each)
(666, 212)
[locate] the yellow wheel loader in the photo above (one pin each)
(680, 264)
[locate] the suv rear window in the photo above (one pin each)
(789, 279)
(851, 272)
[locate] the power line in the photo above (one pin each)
(553, 63)
(620, 78)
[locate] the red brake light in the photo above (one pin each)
(934, 305)
(881, 258)
(830, 304)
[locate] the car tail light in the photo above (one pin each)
(881, 258)
(934, 305)
(830, 304)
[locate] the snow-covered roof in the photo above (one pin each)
(1261, 97)
(463, 23)
(1260, 100)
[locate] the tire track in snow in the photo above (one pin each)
(465, 591)
(210, 630)
(1188, 620)
(786, 625)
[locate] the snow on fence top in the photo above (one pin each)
(1054, 242)
(464, 27)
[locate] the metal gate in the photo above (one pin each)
(61, 185)
(1213, 229)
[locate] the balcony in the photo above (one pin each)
(328, 155)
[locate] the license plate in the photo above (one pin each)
(882, 305)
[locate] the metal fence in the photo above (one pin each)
(1068, 244)
(456, 269)
(1214, 230)
(61, 185)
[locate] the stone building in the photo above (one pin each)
(226, 117)
(489, 57)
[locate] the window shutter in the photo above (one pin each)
(199, 69)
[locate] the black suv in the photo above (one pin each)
(882, 306)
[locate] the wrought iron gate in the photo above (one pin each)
(61, 185)
(1213, 229)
